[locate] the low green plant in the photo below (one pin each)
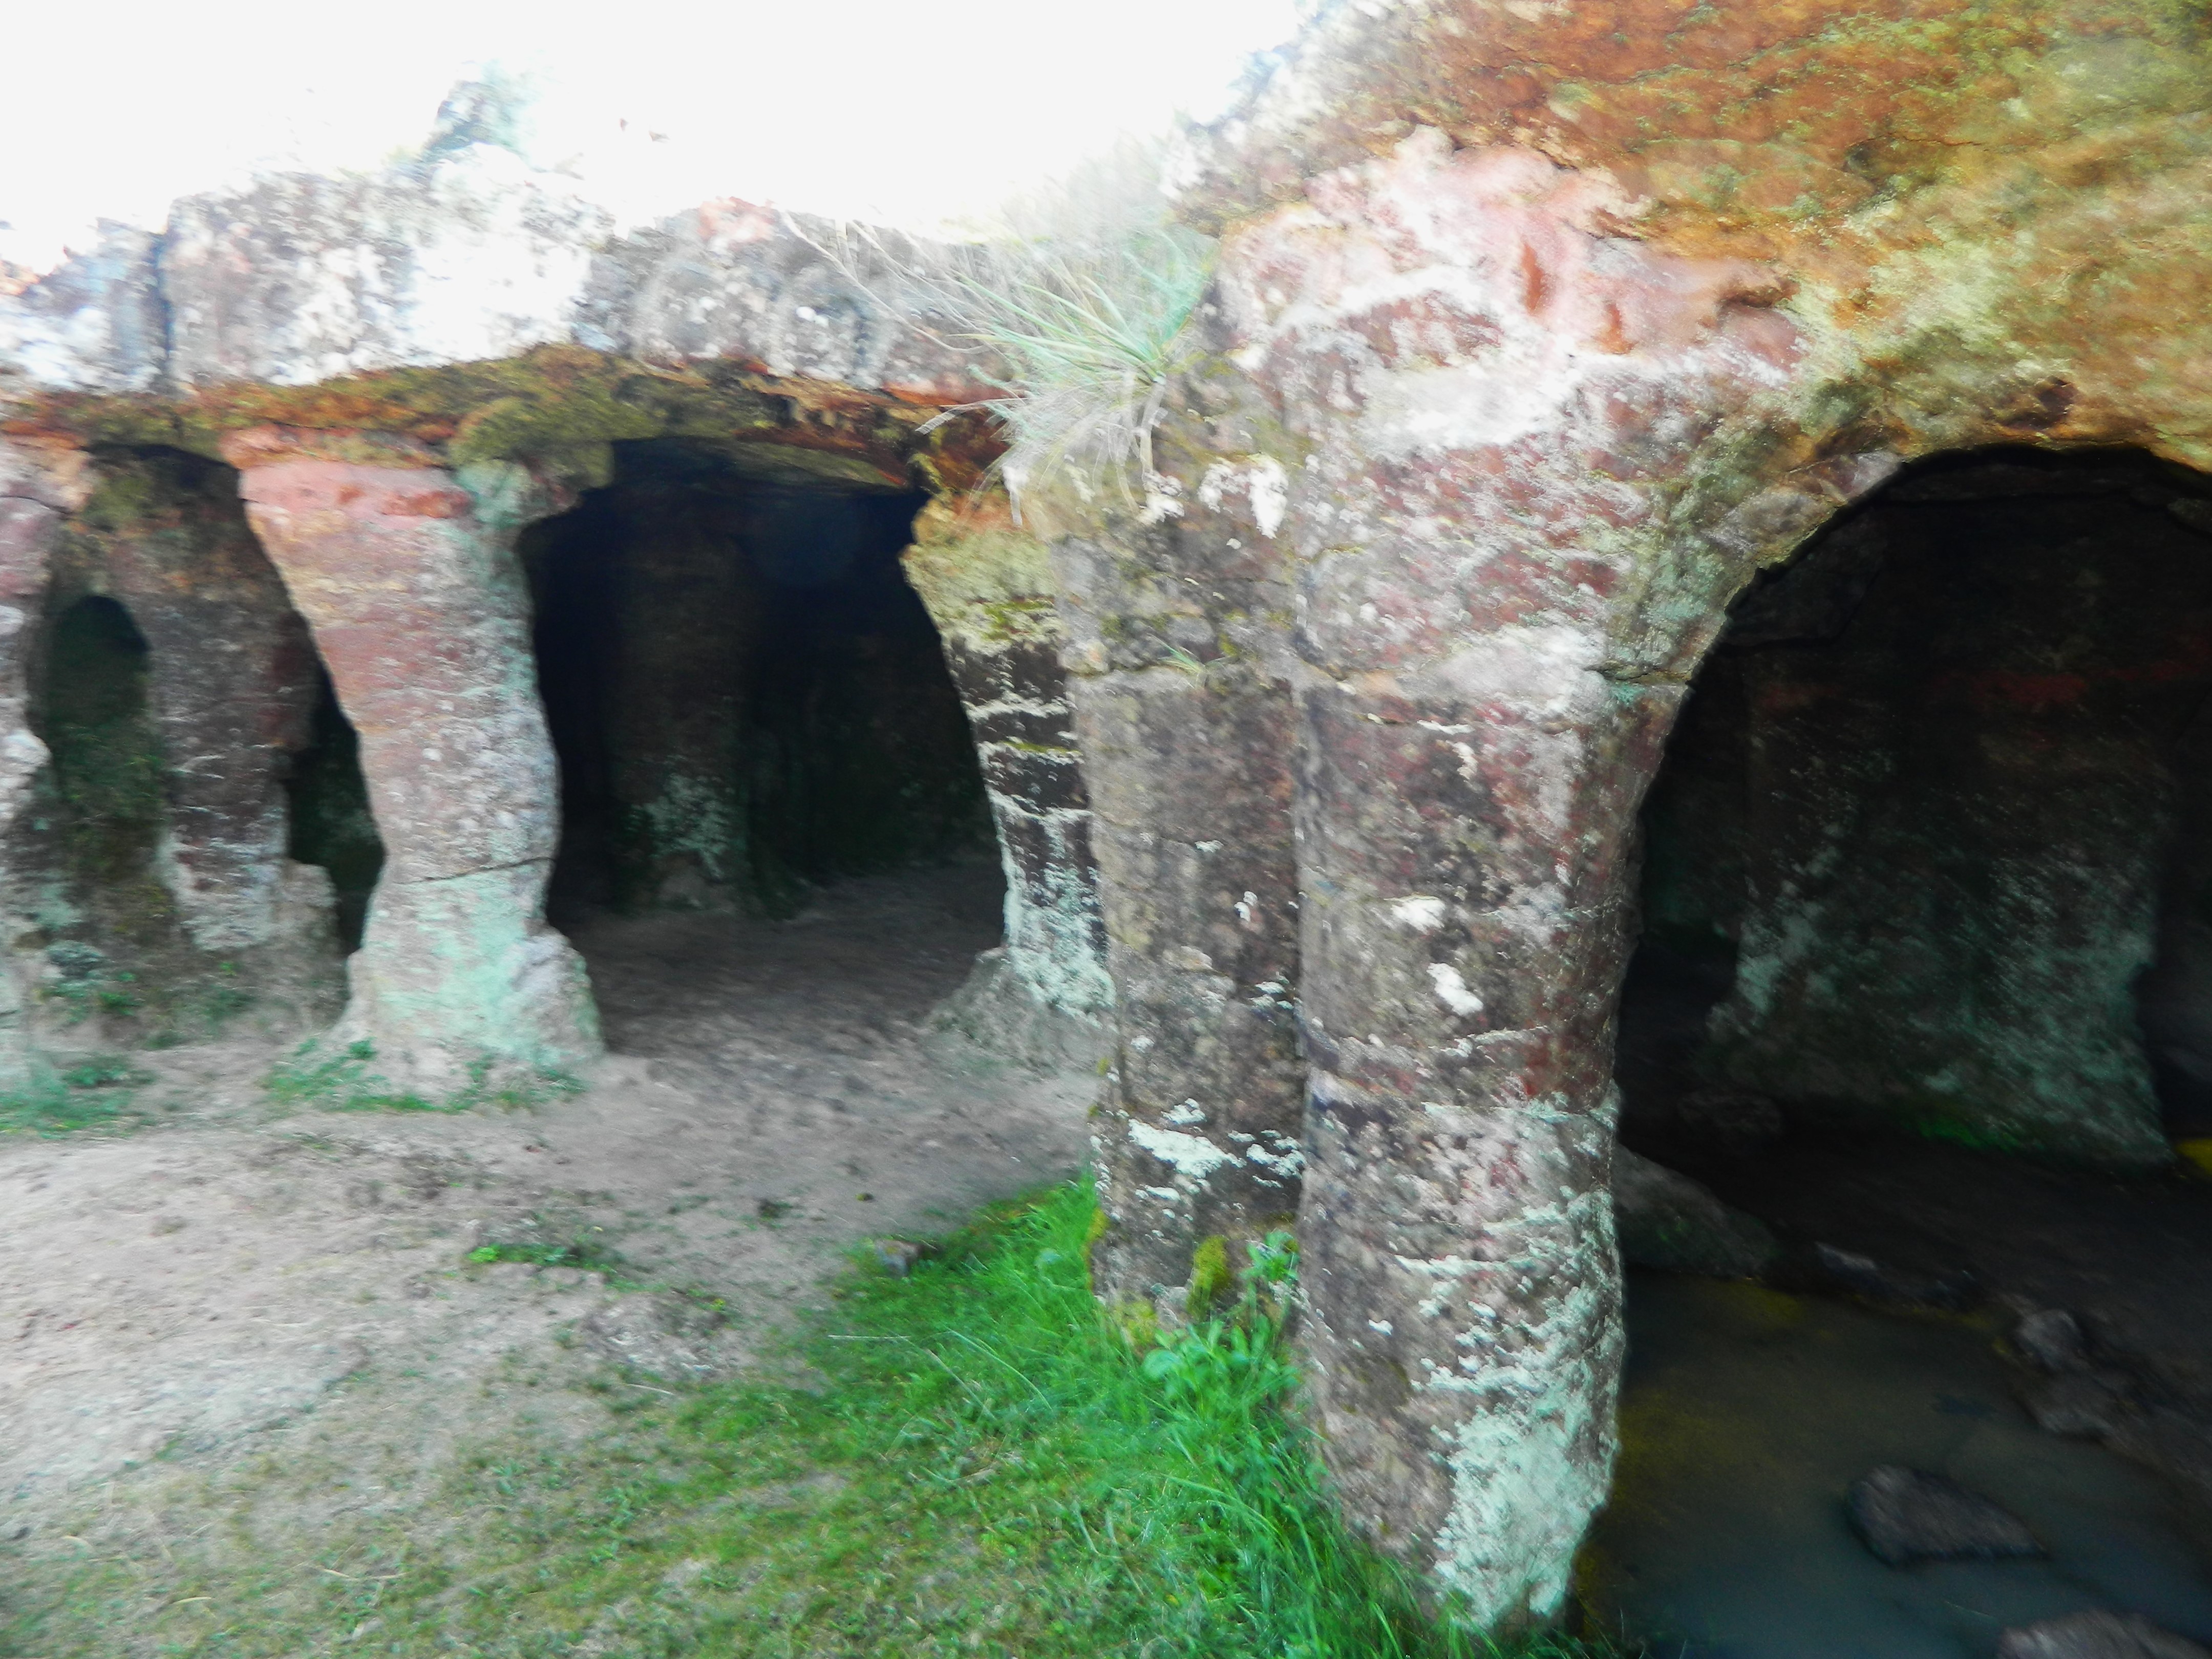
(347, 1081)
(1210, 1278)
(490, 1085)
(105, 1071)
(85, 1097)
(340, 1082)
(1091, 331)
(578, 1252)
(86, 996)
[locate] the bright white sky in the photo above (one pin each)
(905, 110)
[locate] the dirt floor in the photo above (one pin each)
(233, 1280)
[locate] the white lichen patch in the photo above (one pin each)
(1278, 1154)
(1192, 1158)
(1420, 912)
(1260, 480)
(1452, 990)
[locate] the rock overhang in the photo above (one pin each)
(479, 310)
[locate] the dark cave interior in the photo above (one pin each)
(1924, 986)
(1931, 848)
(747, 699)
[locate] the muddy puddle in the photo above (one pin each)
(1746, 1416)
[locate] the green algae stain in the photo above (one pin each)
(1211, 1281)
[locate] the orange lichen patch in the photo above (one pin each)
(1764, 131)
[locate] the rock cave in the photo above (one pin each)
(1938, 780)
(747, 698)
(1663, 593)
(1919, 875)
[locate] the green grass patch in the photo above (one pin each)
(94, 1094)
(343, 1082)
(978, 1464)
(105, 1071)
(348, 1082)
(578, 1252)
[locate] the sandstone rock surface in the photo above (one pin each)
(1667, 1221)
(420, 613)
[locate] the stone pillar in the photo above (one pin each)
(31, 508)
(1510, 417)
(1464, 823)
(987, 585)
(1176, 618)
(418, 606)
(232, 684)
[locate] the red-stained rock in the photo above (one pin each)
(171, 890)
(421, 615)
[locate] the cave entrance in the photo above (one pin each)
(1924, 986)
(756, 725)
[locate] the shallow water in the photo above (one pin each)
(1746, 1415)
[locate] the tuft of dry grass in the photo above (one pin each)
(1077, 302)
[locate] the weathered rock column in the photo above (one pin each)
(987, 585)
(1497, 398)
(31, 509)
(231, 681)
(420, 611)
(1177, 619)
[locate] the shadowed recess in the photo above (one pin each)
(747, 699)
(1924, 985)
(1932, 847)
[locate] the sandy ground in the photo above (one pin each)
(208, 1282)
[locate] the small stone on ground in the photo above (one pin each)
(1905, 1516)
(2096, 1636)
(1668, 1221)
(2083, 1406)
(2052, 1341)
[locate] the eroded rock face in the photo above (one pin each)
(1545, 420)
(1489, 392)
(409, 584)
(298, 279)
(31, 502)
(467, 257)
(988, 586)
(1934, 802)
(173, 685)
(96, 324)
(232, 677)
(1178, 676)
